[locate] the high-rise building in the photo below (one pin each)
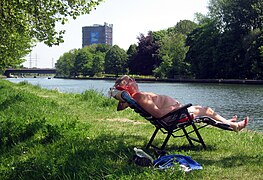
(97, 34)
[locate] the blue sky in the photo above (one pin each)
(129, 19)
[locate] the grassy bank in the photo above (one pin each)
(45, 134)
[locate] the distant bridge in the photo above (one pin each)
(8, 72)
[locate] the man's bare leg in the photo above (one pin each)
(207, 111)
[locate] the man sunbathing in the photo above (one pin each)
(160, 105)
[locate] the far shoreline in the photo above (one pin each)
(220, 81)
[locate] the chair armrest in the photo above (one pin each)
(178, 111)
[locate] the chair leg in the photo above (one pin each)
(152, 138)
(166, 140)
(199, 136)
(187, 136)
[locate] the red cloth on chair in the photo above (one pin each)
(186, 119)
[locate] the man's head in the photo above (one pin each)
(126, 83)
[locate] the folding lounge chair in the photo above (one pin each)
(173, 122)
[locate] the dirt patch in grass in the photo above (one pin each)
(44, 96)
(125, 120)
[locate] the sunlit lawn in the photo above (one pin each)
(51, 135)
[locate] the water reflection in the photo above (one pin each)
(226, 99)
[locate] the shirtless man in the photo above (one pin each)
(160, 105)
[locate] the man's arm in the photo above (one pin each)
(122, 106)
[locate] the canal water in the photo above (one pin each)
(226, 99)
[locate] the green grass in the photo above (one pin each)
(45, 134)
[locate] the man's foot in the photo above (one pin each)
(234, 119)
(241, 124)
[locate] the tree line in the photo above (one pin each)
(226, 43)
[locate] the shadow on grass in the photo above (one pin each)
(9, 100)
(181, 144)
(75, 157)
(233, 161)
(187, 147)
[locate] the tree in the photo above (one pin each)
(83, 62)
(255, 52)
(227, 42)
(184, 27)
(159, 35)
(116, 61)
(13, 47)
(228, 57)
(98, 64)
(88, 61)
(242, 15)
(22, 21)
(172, 50)
(65, 64)
(145, 62)
(201, 55)
(172, 53)
(101, 47)
(99, 51)
(132, 53)
(239, 22)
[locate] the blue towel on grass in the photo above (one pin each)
(185, 162)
